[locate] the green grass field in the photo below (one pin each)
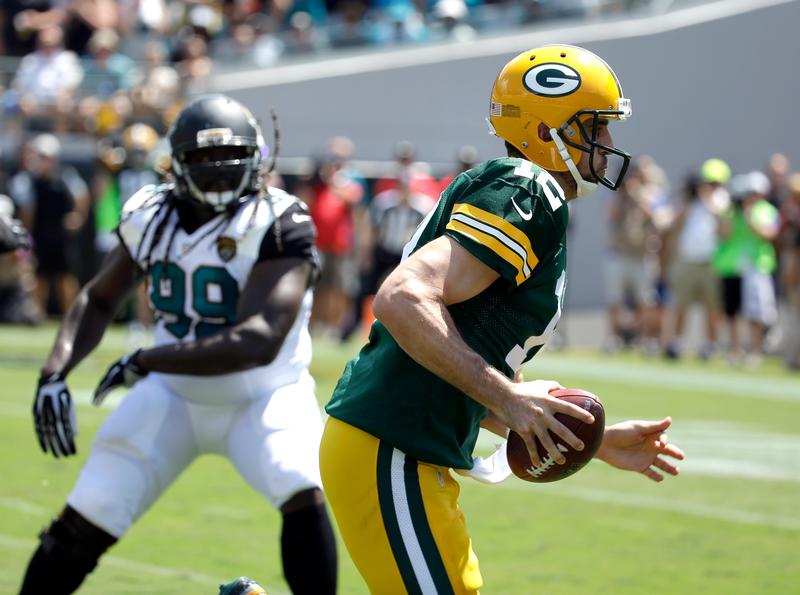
(729, 524)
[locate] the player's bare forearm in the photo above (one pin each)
(412, 303)
(268, 307)
(91, 312)
(240, 348)
(80, 332)
(412, 300)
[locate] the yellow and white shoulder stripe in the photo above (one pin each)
(497, 234)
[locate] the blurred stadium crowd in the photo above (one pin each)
(88, 87)
(729, 244)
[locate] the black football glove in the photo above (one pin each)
(12, 235)
(54, 416)
(124, 372)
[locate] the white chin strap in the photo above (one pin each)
(584, 188)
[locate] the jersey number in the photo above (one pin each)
(214, 296)
(545, 180)
(522, 353)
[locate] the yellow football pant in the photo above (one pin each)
(399, 518)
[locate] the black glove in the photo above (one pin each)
(12, 235)
(54, 416)
(124, 372)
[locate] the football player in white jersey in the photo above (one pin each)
(230, 268)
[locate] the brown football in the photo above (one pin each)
(549, 470)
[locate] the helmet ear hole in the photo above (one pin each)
(544, 132)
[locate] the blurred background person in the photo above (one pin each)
(790, 279)
(758, 287)
(53, 201)
(407, 165)
(466, 158)
(45, 84)
(394, 214)
(17, 282)
(335, 196)
(631, 263)
(778, 168)
(694, 242)
(124, 171)
(730, 259)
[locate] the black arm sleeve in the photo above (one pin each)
(292, 236)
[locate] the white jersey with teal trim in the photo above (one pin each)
(195, 279)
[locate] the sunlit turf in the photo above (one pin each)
(728, 525)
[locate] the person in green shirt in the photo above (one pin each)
(477, 295)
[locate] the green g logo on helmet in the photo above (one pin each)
(552, 80)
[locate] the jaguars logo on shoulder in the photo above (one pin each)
(226, 247)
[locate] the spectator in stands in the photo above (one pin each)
(125, 170)
(398, 22)
(790, 255)
(46, 80)
(21, 20)
(716, 173)
(108, 75)
(348, 25)
(631, 265)
(449, 21)
(393, 216)
(17, 305)
(777, 174)
(336, 194)
(694, 242)
(466, 159)
(729, 263)
(406, 165)
(758, 287)
(157, 98)
(84, 18)
(52, 201)
(195, 64)
(790, 248)
(106, 70)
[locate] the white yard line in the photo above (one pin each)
(655, 377)
(499, 45)
(722, 513)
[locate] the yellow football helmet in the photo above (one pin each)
(570, 90)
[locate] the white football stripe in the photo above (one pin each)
(403, 514)
(493, 231)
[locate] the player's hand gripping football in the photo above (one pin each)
(641, 446)
(54, 416)
(126, 371)
(530, 412)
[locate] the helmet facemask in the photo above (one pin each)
(218, 176)
(588, 128)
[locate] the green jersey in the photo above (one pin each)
(511, 215)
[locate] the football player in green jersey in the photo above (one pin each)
(478, 293)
